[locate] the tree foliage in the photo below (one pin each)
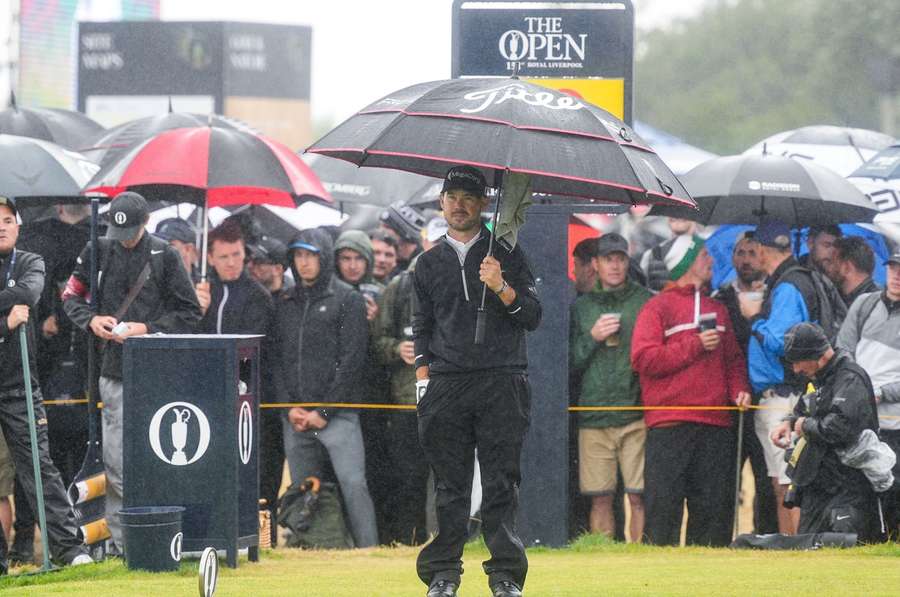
(744, 69)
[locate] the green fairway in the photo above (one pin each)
(587, 568)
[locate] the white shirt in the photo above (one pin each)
(461, 248)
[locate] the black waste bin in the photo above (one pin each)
(191, 428)
(153, 537)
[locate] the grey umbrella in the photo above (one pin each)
(350, 184)
(746, 189)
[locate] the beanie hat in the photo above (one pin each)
(805, 342)
(682, 254)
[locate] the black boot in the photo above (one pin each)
(506, 588)
(22, 550)
(442, 588)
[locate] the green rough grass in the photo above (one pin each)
(590, 566)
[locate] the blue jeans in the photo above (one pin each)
(342, 439)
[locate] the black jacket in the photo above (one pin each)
(243, 306)
(320, 335)
(838, 412)
(26, 282)
(167, 303)
(447, 297)
(867, 286)
(728, 296)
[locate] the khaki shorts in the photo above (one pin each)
(767, 419)
(600, 450)
(7, 470)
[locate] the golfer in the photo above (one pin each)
(475, 396)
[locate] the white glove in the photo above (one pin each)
(421, 387)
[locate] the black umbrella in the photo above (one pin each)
(39, 173)
(566, 146)
(350, 184)
(106, 148)
(746, 189)
(63, 127)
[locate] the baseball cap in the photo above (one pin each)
(895, 258)
(176, 229)
(611, 242)
(10, 203)
(298, 244)
(268, 250)
(466, 178)
(128, 212)
(805, 342)
(773, 233)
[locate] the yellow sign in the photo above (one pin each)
(608, 94)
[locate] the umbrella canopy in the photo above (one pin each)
(39, 173)
(885, 165)
(566, 146)
(841, 149)
(350, 184)
(746, 189)
(211, 166)
(64, 127)
(108, 146)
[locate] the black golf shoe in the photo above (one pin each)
(506, 588)
(442, 588)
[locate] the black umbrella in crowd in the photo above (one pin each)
(39, 174)
(747, 189)
(107, 147)
(566, 146)
(353, 185)
(63, 127)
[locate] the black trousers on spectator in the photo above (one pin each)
(692, 462)
(61, 527)
(68, 436)
(890, 500)
(271, 462)
(765, 513)
(490, 411)
(409, 478)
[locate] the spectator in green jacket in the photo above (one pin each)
(602, 323)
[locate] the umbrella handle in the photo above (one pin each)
(35, 457)
(481, 318)
(204, 241)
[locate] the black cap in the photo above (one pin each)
(805, 342)
(611, 242)
(466, 178)
(128, 212)
(773, 233)
(895, 259)
(176, 229)
(10, 203)
(268, 250)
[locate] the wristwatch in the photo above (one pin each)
(502, 288)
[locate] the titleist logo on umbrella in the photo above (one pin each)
(518, 92)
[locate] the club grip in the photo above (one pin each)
(479, 327)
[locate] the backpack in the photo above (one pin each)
(831, 307)
(313, 514)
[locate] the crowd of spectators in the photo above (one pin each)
(336, 307)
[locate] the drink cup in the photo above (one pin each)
(707, 322)
(614, 339)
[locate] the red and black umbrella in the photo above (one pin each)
(211, 167)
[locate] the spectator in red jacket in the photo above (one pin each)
(685, 353)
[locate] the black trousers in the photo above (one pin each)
(692, 462)
(68, 435)
(271, 462)
(848, 507)
(765, 512)
(490, 411)
(891, 498)
(64, 541)
(409, 478)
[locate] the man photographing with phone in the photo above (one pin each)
(143, 288)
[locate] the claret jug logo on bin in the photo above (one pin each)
(179, 433)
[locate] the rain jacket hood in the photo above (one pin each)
(358, 241)
(322, 241)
